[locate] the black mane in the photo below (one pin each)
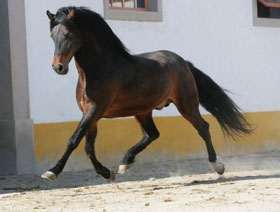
(85, 19)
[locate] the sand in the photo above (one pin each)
(250, 183)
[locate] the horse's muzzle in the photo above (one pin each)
(60, 68)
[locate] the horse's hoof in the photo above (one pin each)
(112, 177)
(49, 176)
(219, 167)
(123, 169)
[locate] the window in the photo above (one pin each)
(268, 8)
(129, 4)
(266, 13)
(133, 10)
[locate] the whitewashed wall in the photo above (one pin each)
(217, 36)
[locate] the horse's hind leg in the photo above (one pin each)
(188, 107)
(203, 130)
(90, 150)
(150, 133)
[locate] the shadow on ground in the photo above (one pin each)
(147, 171)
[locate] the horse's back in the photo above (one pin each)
(173, 63)
(165, 58)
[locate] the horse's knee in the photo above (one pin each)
(150, 137)
(154, 135)
(72, 144)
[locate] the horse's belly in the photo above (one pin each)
(140, 98)
(126, 111)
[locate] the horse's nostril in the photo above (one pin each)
(60, 67)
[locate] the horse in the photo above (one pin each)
(114, 83)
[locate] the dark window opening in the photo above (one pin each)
(268, 9)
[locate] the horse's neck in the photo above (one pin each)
(89, 60)
(86, 55)
(93, 47)
(95, 57)
(92, 60)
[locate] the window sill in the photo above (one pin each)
(266, 22)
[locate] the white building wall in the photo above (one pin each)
(217, 36)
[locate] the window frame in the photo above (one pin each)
(152, 14)
(263, 22)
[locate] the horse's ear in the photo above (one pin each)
(71, 14)
(50, 15)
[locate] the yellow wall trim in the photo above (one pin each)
(177, 139)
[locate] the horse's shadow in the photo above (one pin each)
(26, 183)
(232, 179)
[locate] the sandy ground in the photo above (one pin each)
(251, 183)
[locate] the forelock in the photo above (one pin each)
(61, 18)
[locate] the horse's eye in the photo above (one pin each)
(67, 35)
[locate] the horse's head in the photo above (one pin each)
(66, 39)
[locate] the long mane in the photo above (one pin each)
(86, 19)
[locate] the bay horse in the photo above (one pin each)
(114, 83)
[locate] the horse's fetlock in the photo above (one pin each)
(104, 172)
(129, 159)
(89, 151)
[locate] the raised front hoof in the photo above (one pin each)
(219, 167)
(49, 176)
(123, 169)
(112, 177)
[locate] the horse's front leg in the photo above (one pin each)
(90, 150)
(91, 114)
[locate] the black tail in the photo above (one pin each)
(214, 99)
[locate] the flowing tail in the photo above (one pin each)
(214, 99)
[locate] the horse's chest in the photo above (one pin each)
(81, 93)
